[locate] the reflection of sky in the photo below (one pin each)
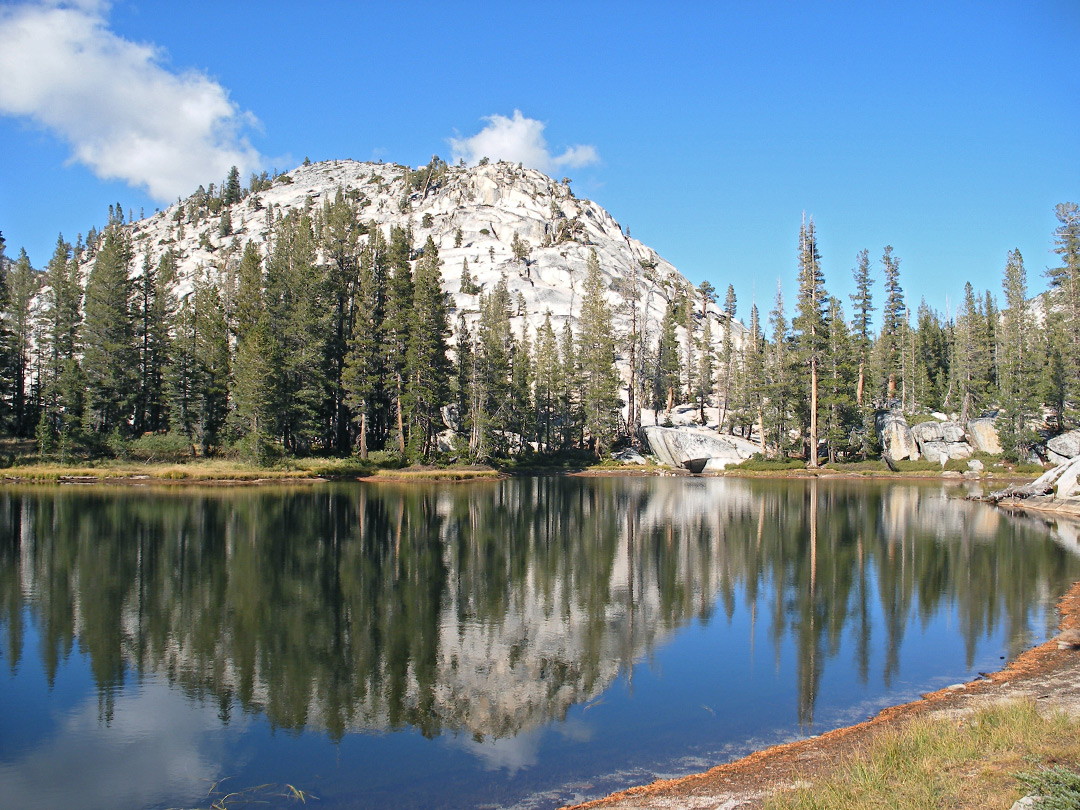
(159, 746)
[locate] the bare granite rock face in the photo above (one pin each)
(1065, 445)
(674, 446)
(897, 442)
(941, 441)
(983, 436)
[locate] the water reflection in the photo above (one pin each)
(492, 609)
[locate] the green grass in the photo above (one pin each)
(945, 762)
(756, 463)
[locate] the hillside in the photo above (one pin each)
(489, 204)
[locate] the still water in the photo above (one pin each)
(522, 643)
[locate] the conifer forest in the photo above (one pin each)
(336, 336)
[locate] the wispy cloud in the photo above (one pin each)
(519, 140)
(125, 114)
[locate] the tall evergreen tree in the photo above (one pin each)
(340, 241)
(427, 367)
(809, 329)
(1064, 310)
(399, 311)
(60, 427)
(364, 376)
(596, 353)
(252, 371)
(666, 374)
(155, 310)
(862, 302)
(838, 402)
(894, 320)
(1019, 364)
(779, 378)
(298, 316)
(546, 384)
(110, 360)
(23, 286)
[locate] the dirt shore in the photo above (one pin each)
(1045, 674)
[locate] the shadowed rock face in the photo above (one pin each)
(897, 442)
(675, 446)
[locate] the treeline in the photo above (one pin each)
(338, 339)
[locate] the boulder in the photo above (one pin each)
(960, 450)
(927, 432)
(674, 446)
(896, 440)
(983, 436)
(975, 465)
(934, 451)
(952, 432)
(1065, 445)
(1068, 483)
(629, 456)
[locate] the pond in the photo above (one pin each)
(521, 643)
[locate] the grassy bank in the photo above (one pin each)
(968, 762)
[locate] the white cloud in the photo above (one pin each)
(519, 140)
(124, 114)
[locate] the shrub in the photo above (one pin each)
(164, 447)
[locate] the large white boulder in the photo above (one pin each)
(983, 436)
(896, 440)
(674, 446)
(1066, 445)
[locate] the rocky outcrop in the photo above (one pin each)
(1063, 447)
(983, 436)
(674, 446)
(941, 441)
(897, 443)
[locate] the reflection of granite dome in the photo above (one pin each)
(487, 610)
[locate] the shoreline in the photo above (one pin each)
(1044, 674)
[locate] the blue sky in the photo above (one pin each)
(948, 130)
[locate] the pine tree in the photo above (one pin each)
(728, 360)
(931, 347)
(754, 365)
(838, 402)
(340, 240)
(1064, 310)
(666, 374)
(155, 309)
(110, 360)
(1019, 364)
(210, 364)
(809, 329)
(251, 388)
(894, 317)
(492, 409)
(778, 377)
(231, 192)
(60, 427)
(399, 309)
(364, 376)
(968, 368)
(546, 384)
(23, 286)
(570, 414)
(427, 367)
(298, 316)
(862, 302)
(596, 353)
